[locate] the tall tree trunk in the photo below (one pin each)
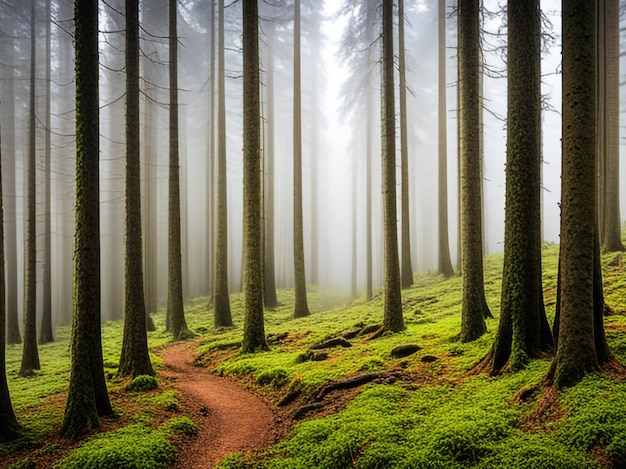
(445, 265)
(474, 306)
(175, 276)
(30, 354)
(210, 195)
(369, 131)
(46, 334)
(135, 359)
(221, 302)
(301, 306)
(10, 226)
(407, 267)
(10, 429)
(253, 329)
(269, 274)
(354, 273)
(608, 86)
(87, 396)
(150, 220)
(523, 332)
(392, 320)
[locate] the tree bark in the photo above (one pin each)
(87, 396)
(392, 319)
(135, 358)
(253, 329)
(474, 307)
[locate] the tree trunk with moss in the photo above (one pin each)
(523, 332)
(301, 307)
(580, 277)
(392, 319)
(9, 429)
(406, 267)
(30, 353)
(46, 334)
(474, 306)
(175, 308)
(253, 328)
(87, 396)
(135, 359)
(445, 264)
(221, 300)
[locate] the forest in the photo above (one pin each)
(312, 234)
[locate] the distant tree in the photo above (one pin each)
(175, 307)
(269, 272)
(301, 306)
(445, 265)
(46, 334)
(608, 124)
(221, 300)
(369, 152)
(392, 320)
(135, 358)
(30, 353)
(9, 429)
(8, 162)
(253, 329)
(87, 396)
(474, 307)
(579, 328)
(523, 332)
(406, 264)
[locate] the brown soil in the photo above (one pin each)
(230, 419)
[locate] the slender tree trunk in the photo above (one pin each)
(9, 429)
(369, 131)
(210, 196)
(46, 334)
(175, 275)
(474, 307)
(221, 301)
(392, 320)
(445, 265)
(269, 277)
(87, 396)
(30, 354)
(253, 329)
(353, 276)
(407, 267)
(135, 358)
(150, 221)
(10, 226)
(301, 306)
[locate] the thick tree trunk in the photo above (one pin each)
(221, 300)
(135, 359)
(445, 265)
(392, 320)
(30, 354)
(87, 396)
(301, 306)
(253, 329)
(474, 307)
(407, 267)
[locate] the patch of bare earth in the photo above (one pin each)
(230, 419)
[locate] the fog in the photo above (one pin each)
(334, 139)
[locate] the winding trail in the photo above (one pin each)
(230, 419)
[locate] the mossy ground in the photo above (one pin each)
(434, 415)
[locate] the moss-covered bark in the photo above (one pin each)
(9, 428)
(474, 308)
(392, 319)
(175, 309)
(87, 397)
(221, 300)
(135, 359)
(254, 328)
(523, 332)
(301, 307)
(30, 353)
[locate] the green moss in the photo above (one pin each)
(180, 426)
(142, 383)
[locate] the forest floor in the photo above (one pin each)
(230, 418)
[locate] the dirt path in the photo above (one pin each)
(230, 419)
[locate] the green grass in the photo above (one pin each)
(436, 416)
